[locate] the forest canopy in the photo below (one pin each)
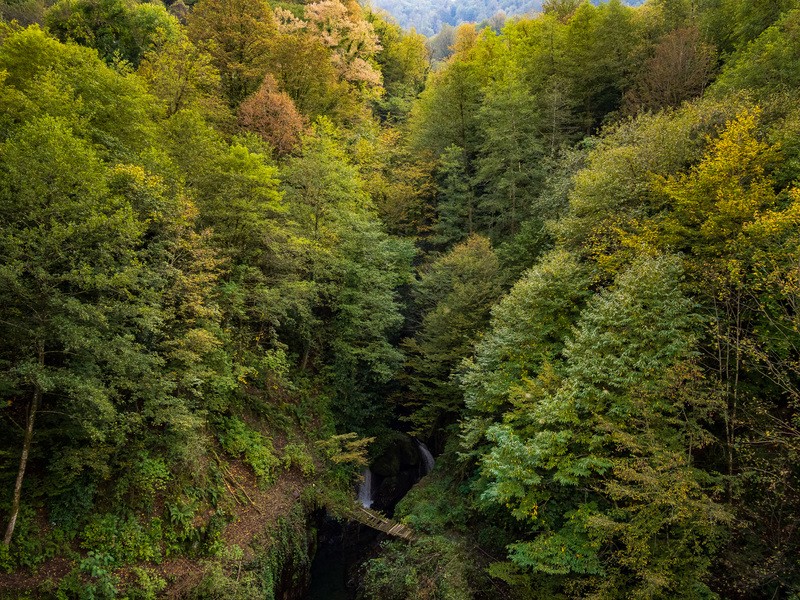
(250, 251)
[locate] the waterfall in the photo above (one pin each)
(365, 489)
(426, 456)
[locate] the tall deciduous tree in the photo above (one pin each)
(66, 80)
(446, 113)
(182, 76)
(117, 29)
(732, 24)
(302, 67)
(453, 299)
(618, 424)
(68, 285)
(404, 64)
(509, 168)
(769, 65)
(355, 269)
(272, 115)
(237, 34)
(679, 70)
(561, 9)
(352, 40)
(599, 59)
(527, 334)
(238, 195)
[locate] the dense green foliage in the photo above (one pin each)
(634, 394)
(182, 305)
(241, 240)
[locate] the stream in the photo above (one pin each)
(344, 546)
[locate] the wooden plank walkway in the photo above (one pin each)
(374, 519)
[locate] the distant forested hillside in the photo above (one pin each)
(428, 16)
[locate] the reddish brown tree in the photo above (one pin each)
(272, 115)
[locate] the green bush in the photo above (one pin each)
(6, 562)
(181, 529)
(434, 567)
(239, 440)
(434, 506)
(123, 539)
(217, 584)
(93, 579)
(143, 479)
(147, 585)
(296, 455)
(31, 545)
(70, 507)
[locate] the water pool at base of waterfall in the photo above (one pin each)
(343, 547)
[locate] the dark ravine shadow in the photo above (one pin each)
(343, 547)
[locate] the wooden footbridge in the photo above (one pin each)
(376, 520)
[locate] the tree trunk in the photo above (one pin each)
(23, 461)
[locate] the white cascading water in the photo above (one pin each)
(365, 489)
(427, 457)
